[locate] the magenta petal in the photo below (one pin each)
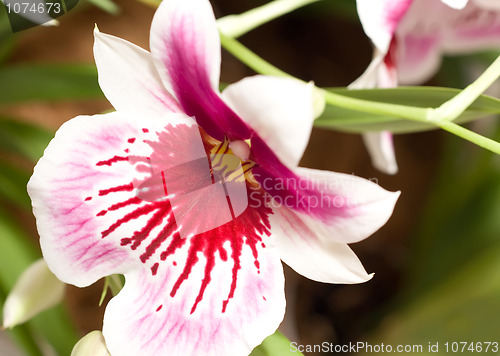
(185, 43)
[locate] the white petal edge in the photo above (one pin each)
(128, 77)
(316, 257)
(280, 110)
(367, 206)
(92, 344)
(381, 149)
(456, 4)
(36, 290)
(144, 319)
(70, 231)
(380, 19)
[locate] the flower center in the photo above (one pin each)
(241, 149)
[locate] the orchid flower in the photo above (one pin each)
(195, 196)
(410, 37)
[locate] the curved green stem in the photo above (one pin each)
(237, 25)
(440, 116)
(261, 66)
(471, 136)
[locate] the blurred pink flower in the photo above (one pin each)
(195, 196)
(410, 37)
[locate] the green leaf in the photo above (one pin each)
(463, 308)
(424, 97)
(23, 138)
(48, 82)
(106, 5)
(13, 183)
(17, 252)
(275, 345)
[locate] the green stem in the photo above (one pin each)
(427, 115)
(248, 57)
(237, 25)
(261, 66)
(454, 107)
(471, 136)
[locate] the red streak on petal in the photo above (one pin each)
(264, 298)
(110, 161)
(128, 217)
(102, 213)
(154, 269)
(125, 203)
(121, 188)
(145, 130)
(159, 308)
(131, 140)
(159, 226)
(88, 198)
(245, 230)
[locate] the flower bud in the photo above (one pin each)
(92, 344)
(36, 290)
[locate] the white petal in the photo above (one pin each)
(128, 77)
(36, 290)
(280, 110)
(92, 344)
(366, 205)
(370, 77)
(85, 184)
(316, 257)
(456, 4)
(151, 316)
(381, 149)
(380, 18)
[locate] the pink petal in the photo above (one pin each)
(381, 149)
(487, 4)
(280, 110)
(315, 256)
(380, 18)
(85, 198)
(476, 28)
(128, 77)
(185, 42)
(419, 59)
(216, 294)
(358, 207)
